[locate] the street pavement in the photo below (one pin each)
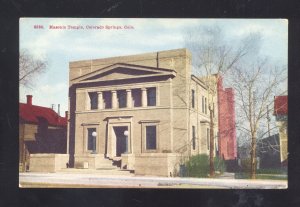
(86, 180)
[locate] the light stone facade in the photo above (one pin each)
(283, 138)
(48, 162)
(146, 111)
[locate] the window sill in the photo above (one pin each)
(123, 109)
(150, 151)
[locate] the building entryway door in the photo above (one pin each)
(121, 140)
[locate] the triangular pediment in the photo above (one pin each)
(122, 71)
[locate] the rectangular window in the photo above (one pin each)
(122, 98)
(194, 137)
(207, 136)
(150, 137)
(107, 99)
(205, 106)
(93, 100)
(151, 96)
(91, 142)
(202, 104)
(137, 97)
(193, 98)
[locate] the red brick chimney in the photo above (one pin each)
(29, 99)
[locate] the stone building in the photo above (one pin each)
(41, 131)
(281, 115)
(147, 111)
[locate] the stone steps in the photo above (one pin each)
(106, 163)
(104, 167)
(100, 171)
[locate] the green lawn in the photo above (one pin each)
(261, 176)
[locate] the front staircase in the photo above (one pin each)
(110, 167)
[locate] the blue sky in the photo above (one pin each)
(61, 46)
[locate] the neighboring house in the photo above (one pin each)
(41, 130)
(227, 128)
(147, 111)
(268, 151)
(244, 151)
(281, 114)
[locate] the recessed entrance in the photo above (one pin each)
(121, 139)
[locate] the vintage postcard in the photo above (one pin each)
(153, 103)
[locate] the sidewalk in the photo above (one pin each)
(66, 180)
(226, 175)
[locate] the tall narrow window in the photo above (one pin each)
(214, 110)
(93, 100)
(122, 98)
(194, 138)
(202, 104)
(151, 96)
(193, 98)
(205, 106)
(207, 137)
(107, 99)
(137, 97)
(91, 141)
(150, 137)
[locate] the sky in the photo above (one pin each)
(84, 39)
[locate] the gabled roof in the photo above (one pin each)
(32, 113)
(121, 71)
(281, 105)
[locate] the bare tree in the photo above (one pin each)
(29, 67)
(212, 59)
(255, 87)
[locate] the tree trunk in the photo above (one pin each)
(212, 145)
(253, 157)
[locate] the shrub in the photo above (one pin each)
(219, 164)
(198, 166)
(246, 165)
